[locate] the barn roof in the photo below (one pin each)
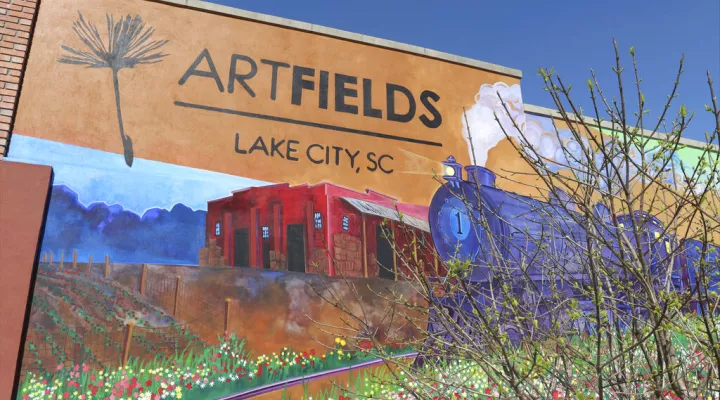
(372, 208)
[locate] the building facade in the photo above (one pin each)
(321, 228)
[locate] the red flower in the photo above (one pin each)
(149, 382)
(189, 386)
(160, 391)
(366, 344)
(555, 395)
(312, 351)
(66, 395)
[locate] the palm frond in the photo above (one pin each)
(128, 44)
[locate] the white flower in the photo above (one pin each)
(212, 383)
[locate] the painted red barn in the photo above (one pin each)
(321, 228)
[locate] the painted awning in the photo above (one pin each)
(367, 207)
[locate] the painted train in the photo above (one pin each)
(499, 233)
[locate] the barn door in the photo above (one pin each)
(296, 247)
(242, 248)
(384, 254)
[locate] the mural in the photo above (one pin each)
(266, 170)
(260, 178)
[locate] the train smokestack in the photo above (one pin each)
(480, 175)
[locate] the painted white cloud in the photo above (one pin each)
(484, 131)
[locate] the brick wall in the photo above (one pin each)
(17, 18)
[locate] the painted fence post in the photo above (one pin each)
(107, 265)
(51, 258)
(177, 296)
(89, 267)
(128, 342)
(62, 259)
(227, 314)
(143, 278)
(74, 260)
(44, 257)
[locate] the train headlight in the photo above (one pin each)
(452, 171)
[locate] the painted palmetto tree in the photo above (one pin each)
(128, 45)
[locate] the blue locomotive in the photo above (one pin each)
(499, 233)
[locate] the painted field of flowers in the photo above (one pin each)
(457, 380)
(216, 371)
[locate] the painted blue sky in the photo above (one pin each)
(99, 176)
(572, 36)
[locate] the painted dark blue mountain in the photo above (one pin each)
(158, 236)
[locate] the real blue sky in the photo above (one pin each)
(571, 36)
